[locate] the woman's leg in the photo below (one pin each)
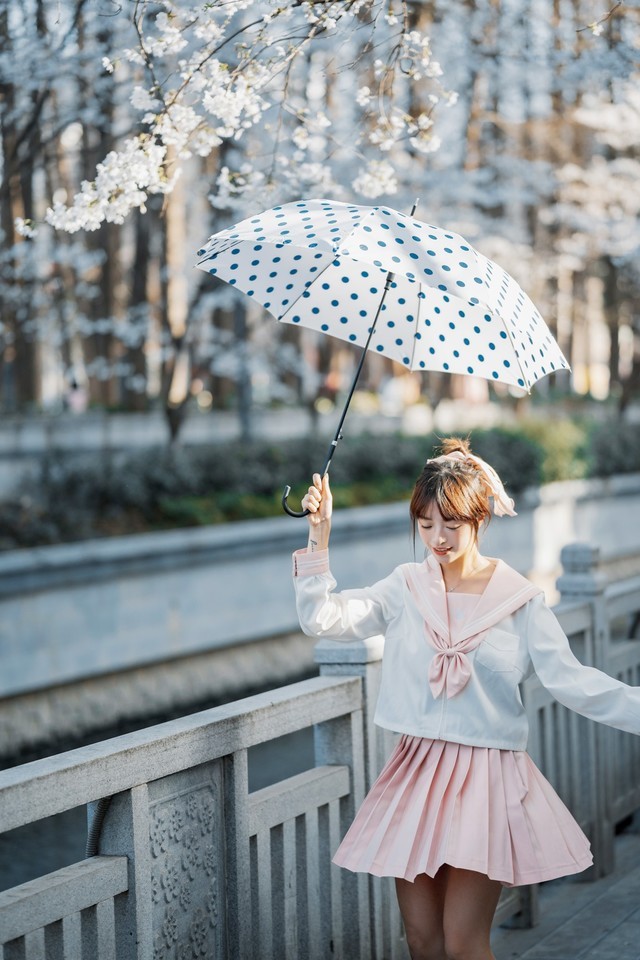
(470, 904)
(422, 908)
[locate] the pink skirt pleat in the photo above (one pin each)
(476, 808)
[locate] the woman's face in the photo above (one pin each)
(448, 540)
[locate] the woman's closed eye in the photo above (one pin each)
(428, 526)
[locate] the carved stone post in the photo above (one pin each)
(363, 659)
(582, 581)
(172, 831)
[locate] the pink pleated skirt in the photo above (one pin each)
(476, 808)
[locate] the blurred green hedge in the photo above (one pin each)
(77, 497)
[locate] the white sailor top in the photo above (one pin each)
(459, 681)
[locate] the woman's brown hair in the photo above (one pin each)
(457, 487)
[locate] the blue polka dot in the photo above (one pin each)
(456, 353)
(442, 337)
(469, 369)
(391, 323)
(446, 366)
(506, 363)
(503, 335)
(315, 310)
(520, 382)
(379, 348)
(398, 342)
(296, 319)
(325, 326)
(494, 375)
(431, 350)
(344, 319)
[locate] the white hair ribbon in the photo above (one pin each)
(502, 504)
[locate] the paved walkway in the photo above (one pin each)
(585, 921)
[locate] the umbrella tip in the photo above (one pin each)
(415, 205)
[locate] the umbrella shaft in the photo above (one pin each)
(338, 433)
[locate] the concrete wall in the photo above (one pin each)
(114, 622)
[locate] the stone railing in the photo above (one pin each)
(188, 863)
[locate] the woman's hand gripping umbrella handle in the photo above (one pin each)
(325, 472)
(318, 505)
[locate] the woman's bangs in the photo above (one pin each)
(450, 510)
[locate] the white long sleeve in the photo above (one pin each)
(345, 615)
(584, 689)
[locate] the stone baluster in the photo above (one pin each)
(582, 581)
(364, 659)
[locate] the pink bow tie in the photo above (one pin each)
(450, 669)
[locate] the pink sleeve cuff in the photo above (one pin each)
(310, 564)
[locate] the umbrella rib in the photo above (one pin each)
(512, 342)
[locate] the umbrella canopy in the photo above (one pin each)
(385, 281)
(335, 267)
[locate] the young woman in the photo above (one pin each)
(460, 808)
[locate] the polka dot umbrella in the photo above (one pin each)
(389, 283)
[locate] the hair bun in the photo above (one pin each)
(454, 445)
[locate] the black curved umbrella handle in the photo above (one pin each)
(287, 508)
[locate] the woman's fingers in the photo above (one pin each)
(312, 499)
(317, 493)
